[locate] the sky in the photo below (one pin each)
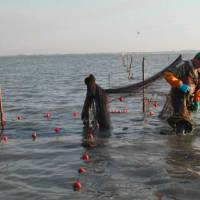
(98, 26)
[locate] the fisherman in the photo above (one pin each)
(97, 99)
(184, 79)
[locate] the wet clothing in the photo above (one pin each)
(183, 73)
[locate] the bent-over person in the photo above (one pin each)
(184, 79)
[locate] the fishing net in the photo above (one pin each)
(96, 112)
(132, 88)
(167, 110)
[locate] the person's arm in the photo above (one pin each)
(197, 96)
(175, 82)
(172, 79)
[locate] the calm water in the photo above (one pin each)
(133, 161)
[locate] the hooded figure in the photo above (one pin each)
(97, 99)
(184, 96)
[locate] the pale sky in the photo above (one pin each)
(92, 26)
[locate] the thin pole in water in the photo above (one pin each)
(144, 105)
(109, 77)
(1, 110)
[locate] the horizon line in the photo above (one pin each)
(91, 53)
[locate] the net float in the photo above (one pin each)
(77, 185)
(82, 170)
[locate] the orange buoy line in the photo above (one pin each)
(75, 115)
(121, 98)
(150, 101)
(119, 111)
(152, 105)
(34, 135)
(90, 135)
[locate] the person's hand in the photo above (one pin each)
(195, 106)
(184, 88)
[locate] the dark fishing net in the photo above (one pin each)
(132, 88)
(167, 109)
(96, 102)
(177, 107)
(151, 84)
(95, 112)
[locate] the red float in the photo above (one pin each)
(57, 129)
(19, 117)
(5, 139)
(151, 113)
(77, 185)
(121, 99)
(86, 157)
(155, 104)
(75, 115)
(82, 170)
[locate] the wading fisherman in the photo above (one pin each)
(184, 79)
(97, 99)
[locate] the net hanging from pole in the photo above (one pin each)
(96, 100)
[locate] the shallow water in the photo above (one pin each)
(132, 161)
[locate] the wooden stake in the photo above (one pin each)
(1, 110)
(109, 77)
(144, 105)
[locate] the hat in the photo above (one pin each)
(197, 56)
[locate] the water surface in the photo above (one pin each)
(132, 161)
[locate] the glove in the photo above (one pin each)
(195, 107)
(185, 88)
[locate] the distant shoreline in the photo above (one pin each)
(104, 53)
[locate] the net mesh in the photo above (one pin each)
(96, 101)
(95, 111)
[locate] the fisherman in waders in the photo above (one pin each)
(97, 100)
(185, 93)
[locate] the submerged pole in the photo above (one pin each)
(109, 78)
(1, 110)
(143, 96)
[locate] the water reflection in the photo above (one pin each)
(182, 155)
(98, 182)
(183, 168)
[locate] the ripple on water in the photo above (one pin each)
(133, 161)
